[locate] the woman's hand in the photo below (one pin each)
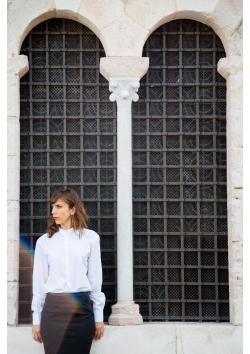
(36, 333)
(99, 330)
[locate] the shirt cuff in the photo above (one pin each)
(98, 315)
(36, 318)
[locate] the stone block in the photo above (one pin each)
(13, 220)
(235, 92)
(97, 14)
(13, 136)
(22, 17)
(236, 294)
(151, 13)
(237, 38)
(18, 65)
(67, 9)
(235, 273)
(235, 128)
(144, 339)
(235, 253)
(224, 20)
(230, 66)
(160, 338)
(237, 194)
(12, 303)
(13, 95)
(235, 168)
(235, 220)
(190, 14)
(236, 310)
(235, 41)
(13, 175)
(196, 5)
(13, 261)
(125, 313)
(124, 37)
(123, 67)
(195, 10)
(20, 341)
(208, 338)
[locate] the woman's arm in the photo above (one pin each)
(40, 276)
(95, 278)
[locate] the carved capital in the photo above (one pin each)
(124, 90)
(230, 66)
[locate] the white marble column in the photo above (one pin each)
(17, 67)
(124, 91)
(231, 69)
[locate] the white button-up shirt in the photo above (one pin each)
(67, 263)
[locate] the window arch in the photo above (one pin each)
(179, 178)
(68, 139)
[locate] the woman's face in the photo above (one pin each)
(61, 212)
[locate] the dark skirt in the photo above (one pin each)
(67, 323)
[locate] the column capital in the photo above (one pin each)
(17, 65)
(230, 66)
(124, 67)
(124, 90)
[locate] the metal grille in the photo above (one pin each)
(179, 178)
(68, 139)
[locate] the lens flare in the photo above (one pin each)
(72, 302)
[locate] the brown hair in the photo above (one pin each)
(79, 220)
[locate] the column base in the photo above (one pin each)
(125, 313)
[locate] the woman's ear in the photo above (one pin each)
(73, 210)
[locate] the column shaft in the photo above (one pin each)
(125, 311)
(124, 206)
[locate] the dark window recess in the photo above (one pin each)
(68, 139)
(179, 178)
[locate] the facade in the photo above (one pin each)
(137, 105)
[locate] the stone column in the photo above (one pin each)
(124, 75)
(231, 69)
(17, 67)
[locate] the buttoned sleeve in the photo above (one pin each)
(40, 276)
(95, 279)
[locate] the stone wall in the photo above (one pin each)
(160, 338)
(123, 26)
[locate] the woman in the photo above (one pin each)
(67, 280)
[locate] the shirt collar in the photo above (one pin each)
(65, 231)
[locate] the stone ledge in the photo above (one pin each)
(17, 65)
(230, 65)
(158, 337)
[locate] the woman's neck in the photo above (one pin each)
(66, 225)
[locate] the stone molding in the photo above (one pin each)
(127, 66)
(230, 66)
(17, 65)
(133, 20)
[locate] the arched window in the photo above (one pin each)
(68, 139)
(179, 178)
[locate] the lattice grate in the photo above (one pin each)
(179, 177)
(68, 138)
